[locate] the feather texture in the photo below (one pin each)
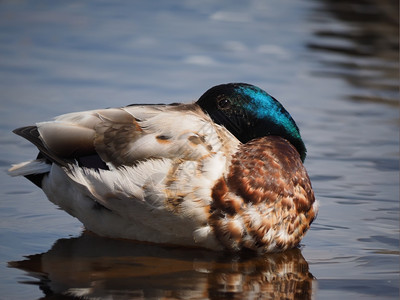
(170, 174)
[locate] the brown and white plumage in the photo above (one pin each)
(175, 174)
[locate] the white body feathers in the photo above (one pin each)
(162, 167)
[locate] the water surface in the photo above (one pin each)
(333, 64)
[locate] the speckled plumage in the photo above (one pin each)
(266, 201)
(216, 174)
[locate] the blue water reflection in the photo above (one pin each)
(90, 266)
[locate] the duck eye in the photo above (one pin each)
(223, 103)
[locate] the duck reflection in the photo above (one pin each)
(94, 267)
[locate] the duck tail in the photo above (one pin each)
(36, 169)
(38, 166)
(33, 170)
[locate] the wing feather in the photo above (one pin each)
(128, 135)
(66, 140)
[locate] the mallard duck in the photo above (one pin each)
(223, 173)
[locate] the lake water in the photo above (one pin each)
(333, 64)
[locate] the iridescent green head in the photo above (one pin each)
(249, 112)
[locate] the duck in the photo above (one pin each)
(223, 173)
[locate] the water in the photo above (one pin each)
(333, 64)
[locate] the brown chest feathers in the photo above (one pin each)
(266, 202)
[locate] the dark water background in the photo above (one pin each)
(333, 64)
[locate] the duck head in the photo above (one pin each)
(249, 112)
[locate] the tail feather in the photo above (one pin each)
(38, 166)
(33, 170)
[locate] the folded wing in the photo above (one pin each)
(126, 136)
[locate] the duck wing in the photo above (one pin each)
(160, 163)
(115, 137)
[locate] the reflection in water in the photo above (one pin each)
(92, 266)
(364, 49)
